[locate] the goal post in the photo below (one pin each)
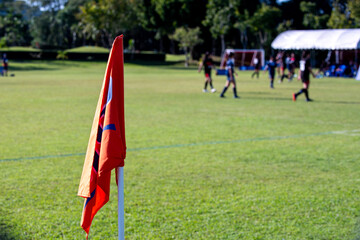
(244, 58)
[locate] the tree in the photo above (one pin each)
(354, 8)
(46, 27)
(14, 22)
(220, 16)
(49, 5)
(243, 10)
(284, 26)
(339, 16)
(264, 23)
(45, 31)
(67, 18)
(14, 29)
(158, 17)
(313, 19)
(105, 19)
(242, 25)
(163, 16)
(188, 38)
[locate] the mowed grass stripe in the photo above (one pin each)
(193, 144)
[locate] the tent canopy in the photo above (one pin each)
(327, 39)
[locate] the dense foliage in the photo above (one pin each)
(149, 24)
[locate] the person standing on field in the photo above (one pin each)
(304, 75)
(230, 67)
(208, 64)
(271, 66)
(291, 67)
(279, 63)
(257, 66)
(5, 64)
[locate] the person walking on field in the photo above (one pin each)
(208, 64)
(5, 64)
(279, 64)
(257, 67)
(230, 67)
(291, 67)
(284, 65)
(304, 75)
(271, 66)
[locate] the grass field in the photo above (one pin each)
(89, 49)
(197, 167)
(25, 49)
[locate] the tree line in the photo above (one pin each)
(173, 26)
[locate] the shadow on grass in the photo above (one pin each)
(5, 232)
(298, 100)
(245, 96)
(30, 68)
(340, 102)
(357, 230)
(58, 64)
(38, 65)
(8, 231)
(154, 63)
(170, 65)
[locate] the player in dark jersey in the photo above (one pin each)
(208, 64)
(5, 64)
(284, 63)
(271, 66)
(291, 67)
(230, 67)
(304, 75)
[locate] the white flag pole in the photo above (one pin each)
(121, 222)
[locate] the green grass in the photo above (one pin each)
(88, 49)
(175, 58)
(226, 173)
(24, 49)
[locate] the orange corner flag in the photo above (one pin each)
(107, 148)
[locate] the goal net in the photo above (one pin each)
(244, 58)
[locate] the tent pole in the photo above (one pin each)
(356, 57)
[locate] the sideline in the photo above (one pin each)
(355, 132)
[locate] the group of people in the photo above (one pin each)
(208, 64)
(285, 62)
(274, 63)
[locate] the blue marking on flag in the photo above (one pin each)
(96, 161)
(99, 134)
(110, 127)
(91, 196)
(103, 111)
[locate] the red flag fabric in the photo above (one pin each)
(107, 147)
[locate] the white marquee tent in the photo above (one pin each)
(327, 39)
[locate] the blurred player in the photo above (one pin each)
(304, 75)
(284, 63)
(208, 64)
(5, 64)
(230, 67)
(257, 67)
(270, 66)
(291, 67)
(279, 62)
